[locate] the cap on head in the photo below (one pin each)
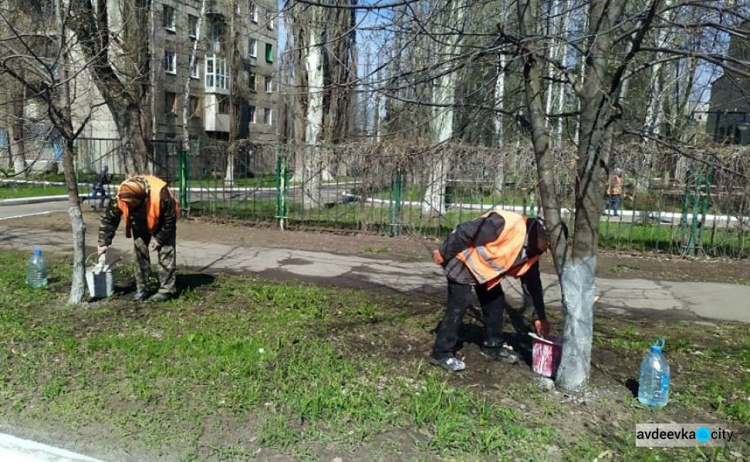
(131, 192)
(538, 241)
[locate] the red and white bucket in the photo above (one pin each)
(545, 355)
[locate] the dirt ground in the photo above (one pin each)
(630, 265)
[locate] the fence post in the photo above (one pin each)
(282, 185)
(184, 173)
(396, 204)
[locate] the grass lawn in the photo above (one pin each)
(241, 367)
(12, 192)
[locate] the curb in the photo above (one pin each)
(32, 200)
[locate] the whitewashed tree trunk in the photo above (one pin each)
(78, 227)
(314, 116)
(444, 94)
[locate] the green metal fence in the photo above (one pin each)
(385, 189)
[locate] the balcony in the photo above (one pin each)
(216, 113)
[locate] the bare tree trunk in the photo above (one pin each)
(499, 117)
(444, 95)
(563, 57)
(186, 115)
(16, 138)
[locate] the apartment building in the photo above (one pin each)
(729, 114)
(234, 74)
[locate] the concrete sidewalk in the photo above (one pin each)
(631, 297)
(13, 449)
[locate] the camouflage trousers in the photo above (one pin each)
(167, 265)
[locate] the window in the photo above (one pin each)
(251, 81)
(253, 118)
(223, 105)
(194, 69)
(170, 102)
(252, 10)
(195, 106)
(269, 20)
(170, 62)
(269, 53)
(192, 26)
(268, 84)
(216, 73)
(267, 116)
(168, 18)
(252, 48)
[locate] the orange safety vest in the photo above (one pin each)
(492, 262)
(153, 204)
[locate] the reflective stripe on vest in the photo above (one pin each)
(154, 186)
(491, 262)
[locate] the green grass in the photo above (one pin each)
(237, 364)
(359, 216)
(647, 237)
(12, 192)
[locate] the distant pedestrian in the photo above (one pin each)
(98, 189)
(150, 213)
(481, 253)
(614, 192)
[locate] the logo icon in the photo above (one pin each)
(703, 434)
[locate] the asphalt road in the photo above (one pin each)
(21, 210)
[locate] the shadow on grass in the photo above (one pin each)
(192, 281)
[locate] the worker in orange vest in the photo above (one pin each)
(150, 212)
(481, 253)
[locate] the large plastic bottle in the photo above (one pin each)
(36, 270)
(653, 387)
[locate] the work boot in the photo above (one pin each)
(140, 296)
(160, 297)
(500, 354)
(450, 363)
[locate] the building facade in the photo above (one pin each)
(729, 114)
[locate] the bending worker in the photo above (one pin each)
(150, 213)
(481, 253)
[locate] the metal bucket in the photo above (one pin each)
(99, 278)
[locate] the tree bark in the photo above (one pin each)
(127, 100)
(444, 96)
(78, 227)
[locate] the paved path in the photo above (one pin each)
(632, 297)
(14, 449)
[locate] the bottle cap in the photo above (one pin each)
(37, 252)
(657, 346)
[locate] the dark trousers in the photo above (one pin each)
(459, 299)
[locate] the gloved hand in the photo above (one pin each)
(542, 327)
(102, 249)
(437, 258)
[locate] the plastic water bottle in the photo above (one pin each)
(36, 270)
(653, 389)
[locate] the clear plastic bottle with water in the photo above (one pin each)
(653, 383)
(36, 270)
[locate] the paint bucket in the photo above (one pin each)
(545, 354)
(99, 278)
